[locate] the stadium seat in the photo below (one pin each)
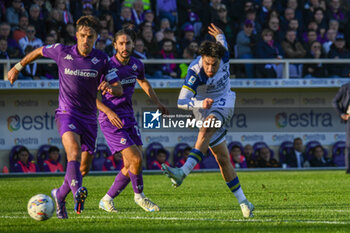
(42, 155)
(338, 153)
(235, 143)
(151, 152)
(178, 152)
(257, 146)
(13, 156)
(285, 148)
(102, 152)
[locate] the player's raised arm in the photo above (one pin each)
(218, 34)
(147, 88)
(13, 73)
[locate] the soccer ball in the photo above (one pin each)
(40, 207)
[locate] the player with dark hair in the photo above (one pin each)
(83, 71)
(119, 125)
(208, 94)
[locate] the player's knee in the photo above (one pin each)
(137, 160)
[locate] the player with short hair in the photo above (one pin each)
(119, 125)
(207, 92)
(83, 71)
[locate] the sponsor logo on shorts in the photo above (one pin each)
(72, 126)
(123, 141)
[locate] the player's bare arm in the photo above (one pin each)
(147, 88)
(13, 73)
(113, 89)
(112, 116)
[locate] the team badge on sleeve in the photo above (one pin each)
(192, 80)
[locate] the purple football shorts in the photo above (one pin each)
(120, 139)
(86, 129)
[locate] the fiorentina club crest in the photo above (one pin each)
(95, 60)
(123, 141)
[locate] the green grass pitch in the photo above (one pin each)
(305, 201)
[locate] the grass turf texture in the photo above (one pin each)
(312, 201)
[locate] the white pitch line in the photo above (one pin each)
(198, 219)
(203, 212)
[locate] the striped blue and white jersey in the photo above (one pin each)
(198, 85)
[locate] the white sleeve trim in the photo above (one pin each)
(222, 40)
(187, 101)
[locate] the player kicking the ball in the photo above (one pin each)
(82, 72)
(119, 125)
(207, 93)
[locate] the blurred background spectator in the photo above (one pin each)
(297, 157)
(315, 70)
(269, 49)
(161, 157)
(113, 162)
(293, 49)
(264, 159)
(338, 51)
(248, 154)
(52, 164)
(185, 155)
(319, 159)
(24, 163)
(236, 157)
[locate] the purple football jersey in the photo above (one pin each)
(79, 78)
(122, 105)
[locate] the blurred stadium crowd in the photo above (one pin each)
(259, 155)
(170, 29)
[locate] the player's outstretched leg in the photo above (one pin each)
(177, 175)
(120, 182)
(228, 173)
